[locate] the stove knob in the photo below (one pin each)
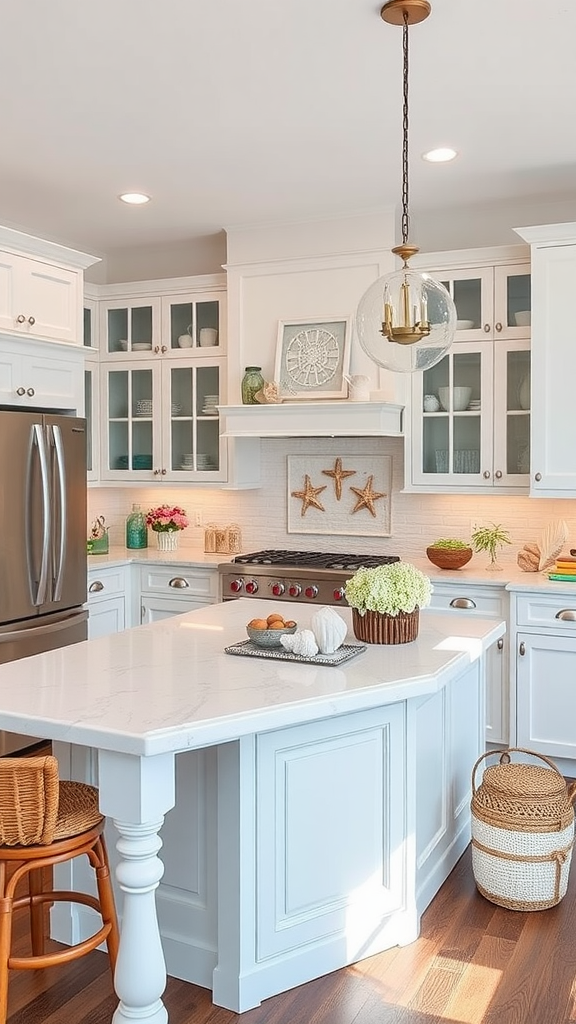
(294, 590)
(251, 587)
(312, 591)
(338, 594)
(278, 589)
(236, 586)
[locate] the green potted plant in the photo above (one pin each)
(447, 553)
(490, 538)
(386, 601)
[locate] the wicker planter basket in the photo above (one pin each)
(522, 832)
(376, 628)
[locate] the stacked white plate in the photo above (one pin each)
(210, 403)
(144, 407)
(205, 461)
(187, 462)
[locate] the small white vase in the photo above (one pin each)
(167, 540)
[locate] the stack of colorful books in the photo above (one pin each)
(564, 569)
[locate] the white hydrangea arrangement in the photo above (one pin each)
(389, 589)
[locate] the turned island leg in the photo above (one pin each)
(136, 792)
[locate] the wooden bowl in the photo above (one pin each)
(449, 558)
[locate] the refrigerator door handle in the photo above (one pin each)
(61, 472)
(37, 438)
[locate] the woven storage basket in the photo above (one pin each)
(375, 628)
(522, 832)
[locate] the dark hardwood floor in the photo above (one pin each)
(474, 963)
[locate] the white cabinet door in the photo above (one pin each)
(34, 374)
(39, 299)
(154, 608)
(174, 589)
(553, 431)
(466, 599)
(546, 693)
(106, 617)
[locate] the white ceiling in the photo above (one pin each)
(231, 112)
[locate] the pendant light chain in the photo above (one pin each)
(405, 217)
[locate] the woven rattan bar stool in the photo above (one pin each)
(43, 822)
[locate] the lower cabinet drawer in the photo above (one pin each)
(470, 598)
(180, 581)
(550, 610)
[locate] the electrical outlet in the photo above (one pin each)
(198, 518)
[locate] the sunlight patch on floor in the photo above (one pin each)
(473, 994)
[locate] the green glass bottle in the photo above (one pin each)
(136, 529)
(252, 382)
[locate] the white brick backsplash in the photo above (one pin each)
(417, 519)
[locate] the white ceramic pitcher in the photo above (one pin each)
(358, 387)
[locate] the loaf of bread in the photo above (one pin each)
(529, 558)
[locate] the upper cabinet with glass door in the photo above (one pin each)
(193, 324)
(182, 325)
(470, 414)
(491, 302)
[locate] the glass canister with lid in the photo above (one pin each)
(252, 383)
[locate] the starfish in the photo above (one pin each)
(309, 496)
(339, 475)
(367, 497)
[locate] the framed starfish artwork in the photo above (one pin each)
(347, 496)
(313, 358)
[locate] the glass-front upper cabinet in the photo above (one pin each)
(130, 327)
(471, 418)
(192, 322)
(161, 421)
(491, 302)
(90, 323)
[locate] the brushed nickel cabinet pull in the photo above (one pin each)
(486, 474)
(522, 648)
(566, 615)
(20, 391)
(20, 319)
(179, 583)
(95, 587)
(498, 327)
(538, 477)
(462, 602)
(31, 392)
(498, 474)
(31, 320)
(500, 644)
(486, 328)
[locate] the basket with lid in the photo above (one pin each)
(522, 831)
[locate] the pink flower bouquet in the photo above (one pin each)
(167, 519)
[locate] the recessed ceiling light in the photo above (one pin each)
(134, 198)
(440, 156)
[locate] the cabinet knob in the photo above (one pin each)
(486, 328)
(20, 391)
(163, 472)
(498, 327)
(164, 349)
(31, 392)
(500, 644)
(462, 602)
(95, 587)
(538, 477)
(522, 648)
(566, 615)
(156, 349)
(156, 472)
(31, 320)
(179, 583)
(20, 319)
(498, 474)
(486, 474)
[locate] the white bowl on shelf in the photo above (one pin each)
(123, 344)
(523, 318)
(464, 325)
(460, 398)
(141, 346)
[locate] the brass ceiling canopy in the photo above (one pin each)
(409, 12)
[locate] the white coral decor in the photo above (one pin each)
(389, 589)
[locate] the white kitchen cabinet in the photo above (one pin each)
(545, 664)
(41, 287)
(179, 319)
(174, 589)
(553, 462)
(107, 592)
(38, 375)
(474, 599)
(160, 422)
(476, 439)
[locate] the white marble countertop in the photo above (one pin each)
(170, 686)
(195, 557)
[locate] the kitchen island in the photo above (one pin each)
(318, 809)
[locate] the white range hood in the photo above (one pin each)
(313, 419)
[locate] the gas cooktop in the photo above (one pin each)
(336, 561)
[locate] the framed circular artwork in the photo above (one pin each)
(313, 357)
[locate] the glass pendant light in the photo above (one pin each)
(406, 320)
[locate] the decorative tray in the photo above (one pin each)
(251, 650)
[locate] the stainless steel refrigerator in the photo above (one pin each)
(42, 538)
